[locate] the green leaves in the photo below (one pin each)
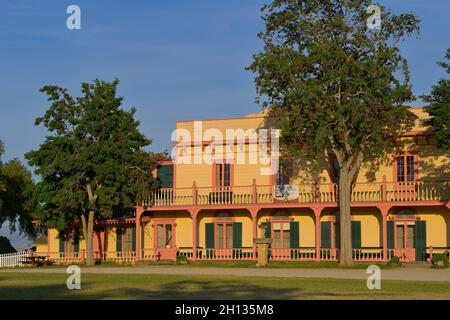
(439, 108)
(16, 196)
(89, 162)
(330, 82)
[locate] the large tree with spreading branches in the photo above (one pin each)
(334, 86)
(93, 164)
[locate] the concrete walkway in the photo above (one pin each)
(404, 274)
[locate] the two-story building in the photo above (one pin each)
(210, 208)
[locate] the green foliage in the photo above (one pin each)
(439, 108)
(440, 260)
(395, 261)
(330, 83)
(5, 246)
(16, 195)
(182, 259)
(93, 158)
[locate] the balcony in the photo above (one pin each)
(391, 192)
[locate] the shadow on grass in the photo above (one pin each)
(174, 290)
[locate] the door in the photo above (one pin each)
(165, 243)
(406, 241)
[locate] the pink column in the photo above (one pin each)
(317, 212)
(384, 214)
(254, 214)
(138, 235)
(194, 214)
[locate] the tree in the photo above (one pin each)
(93, 164)
(439, 108)
(16, 196)
(333, 86)
(5, 246)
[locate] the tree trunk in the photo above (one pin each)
(88, 230)
(89, 246)
(345, 219)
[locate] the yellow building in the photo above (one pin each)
(219, 204)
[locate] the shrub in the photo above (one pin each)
(395, 260)
(440, 260)
(182, 260)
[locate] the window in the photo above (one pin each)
(405, 168)
(224, 236)
(400, 236)
(164, 236)
(411, 236)
(165, 173)
(281, 235)
(127, 239)
(283, 173)
(223, 175)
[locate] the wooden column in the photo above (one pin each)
(317, 212)
(194, 215)
(384, 214)
(139, 213)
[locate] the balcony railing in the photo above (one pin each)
(303, 193)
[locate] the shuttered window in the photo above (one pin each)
(356, 234)
(165, 176)
(223, 175)
(325, 234)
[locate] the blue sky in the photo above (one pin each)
(176, 59)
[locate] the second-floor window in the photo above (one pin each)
(405, 168)
(223, 175)
(283, 176)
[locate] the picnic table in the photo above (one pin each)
(37, 261)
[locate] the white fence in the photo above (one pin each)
(13, 259)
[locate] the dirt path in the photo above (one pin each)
(406, 274)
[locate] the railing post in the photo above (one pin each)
(384, 191)
(254, 195)
(194, 193)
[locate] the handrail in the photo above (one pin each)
(303, 193)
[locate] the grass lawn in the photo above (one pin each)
(115, 286)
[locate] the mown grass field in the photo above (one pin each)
(116, 286)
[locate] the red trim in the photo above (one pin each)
(216, 119)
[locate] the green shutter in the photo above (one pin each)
(295, 235)
(421, 240)
(237, 235)
(119, 240)
(337, 235)
(356, 234)
(325, 235)
(133, 238)
(165, 176)
(76, 241)
(268, 230)
(390, 234)
(61, 241)
(209, 235)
